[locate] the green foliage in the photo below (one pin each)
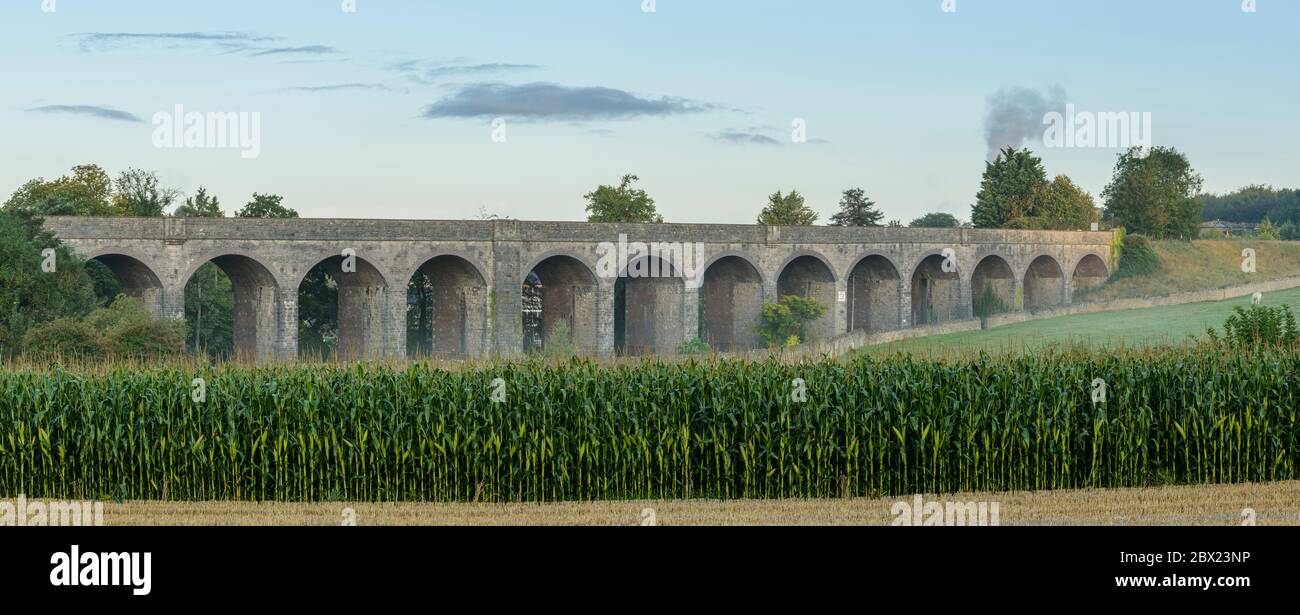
(86, 192)
(266, 206)
(210, 312)
(1010, 188)
(856, 210)
(694, 346)
(1267, 231)
(30, 296)
(1063, 207)
(1139, 258)
(621, 204)
(989, 303)
(787, 210)
(936, 220)
(140, 193)
(1258, 326)
(869, 427)
(558, 343)
(65, 337)
(789, 318)
(1154, 193)
(200, 206)
(1252, 204)
(1117, 244)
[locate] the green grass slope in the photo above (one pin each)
(1201, 265)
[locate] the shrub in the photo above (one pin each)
(1257, 326)
(150, 338)
(559, 343)
(694, 346)
(790, 317)
(67, 337)
(1139, 258)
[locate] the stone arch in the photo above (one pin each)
(1044, 283)
(560, 293)
(446, 308)
(1090, 271)
(874, 293)
(138, 279)
(993, 286)
(360, 295)
(649, 298)
(936, 294)
(731, 301)
(810, 275)
(256, 301)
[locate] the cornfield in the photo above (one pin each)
(712, 429)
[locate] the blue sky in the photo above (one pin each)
(387, 112)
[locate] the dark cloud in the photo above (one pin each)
(306, 49)
(549, 101)
(105, 113)
(743, 138)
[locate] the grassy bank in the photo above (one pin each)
(1201, 265)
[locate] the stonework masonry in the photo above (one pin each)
(872, 279)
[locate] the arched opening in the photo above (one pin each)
(936, 294)
(993, 287)
(1090, 272)
(232, 307)
(874, 287)
(130, 277)
(648, 308)
(559, 306)
(446, 309)
(341, 310)
(731, 300)
(807, 276)
(1044, 283)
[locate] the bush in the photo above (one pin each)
(789, 318)
(694, 346)
(66, 337)
(1139, 258)
(150, 338)
(1257, 326)
(559, 343)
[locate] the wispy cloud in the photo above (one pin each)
(549, 101)
(305, 49)
(98, 41)
(426, 72)
(342, 87)
(740, 137)
(105, 113)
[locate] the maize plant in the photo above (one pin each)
(713, 429)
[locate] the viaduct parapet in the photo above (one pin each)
(501, 287)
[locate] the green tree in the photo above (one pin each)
(86, 192)
(1267, 231)
(1154, 193)
(779, 322)
(266, 206)
(936, 220)
(857, 210)
(787, 210)
(30, 294)
(621, 204)
(200, 206)
(1010, 188)
(140, 193)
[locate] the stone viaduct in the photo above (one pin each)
(481, 271)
